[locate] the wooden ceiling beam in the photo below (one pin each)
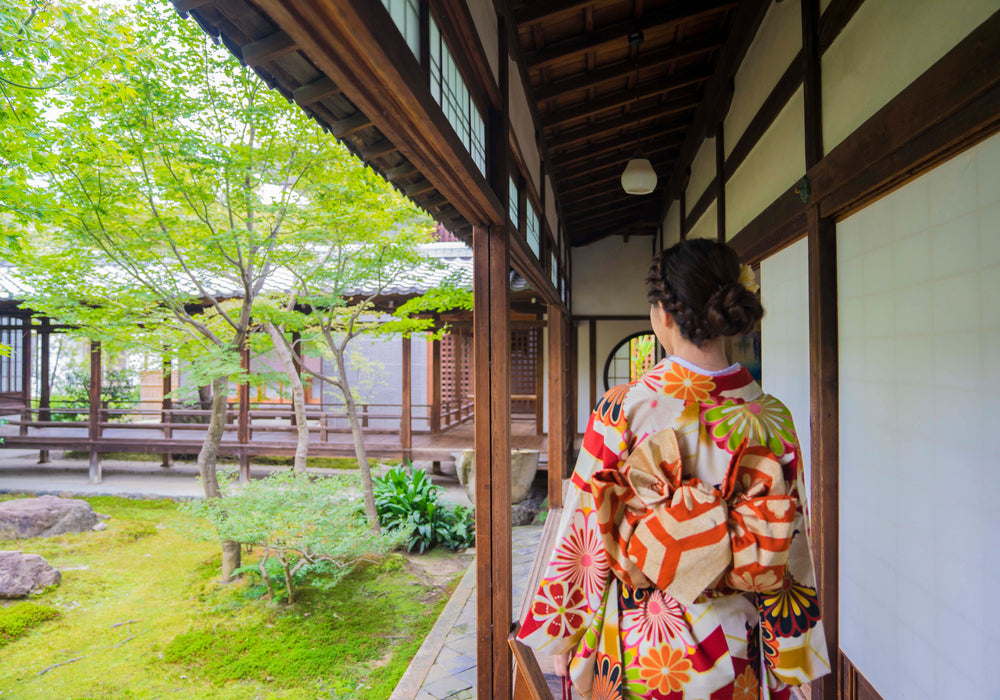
(315, 91)
(614, 169)
(623, 98)
(537, 11)
(627, 122)
(675, 13)
(657, 152)
(400, 171)
(626, 215)
(352, 124)
(622, 69)
(607, 205)
(269, 48)
(417, 188)
(592, 236)
(377, 150)
(625, 143)
(185, 6)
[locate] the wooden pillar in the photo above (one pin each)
(166, 409)
(539, 383)
(406, 419)
(26, 367)
(825, 433)
(458, 358)
(243, 426)
(592, 368)
(44, 389)
(492, 444)
(94, 413)
(434, 384)
(720, 181)
(557, 403)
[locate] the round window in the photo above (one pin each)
(632, 357)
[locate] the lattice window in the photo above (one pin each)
(11, 364)
(524, 351)
(534, 240)
(449, 89)
(406, 15)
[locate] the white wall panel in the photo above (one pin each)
(523, 126)
(777, 42)
(785, 336)
(609, 276)
(773, 165)
(707, 225)
(702, 171)
(484, 16)
(919, 279)
(672, 224)
(885, 47)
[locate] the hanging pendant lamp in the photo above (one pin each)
(639, 176)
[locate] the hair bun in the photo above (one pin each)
(733, 310)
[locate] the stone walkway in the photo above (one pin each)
(445, 666)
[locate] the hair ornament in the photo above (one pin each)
(748, 279)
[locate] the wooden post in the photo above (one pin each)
(825, 433)
(592, 362)
(406, 420)
(26, 367)
(243, 426)
(44, 389)
(457, 356)
(491, 299)
(166, 412)
(720, 181)
(434, 383)
(557, 403)
(94, 413)
(539, 383)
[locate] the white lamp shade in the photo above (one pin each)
(639, 176)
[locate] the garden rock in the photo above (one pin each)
(23, 574)
(44, 517)
(99, 526)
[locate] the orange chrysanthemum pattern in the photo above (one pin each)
(686, 385)
(746, 686)
(665, 669)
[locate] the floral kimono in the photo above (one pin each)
(682, 567)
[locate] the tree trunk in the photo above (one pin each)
(204, 401)
(208, 459)
(359, 443)
(298, 398)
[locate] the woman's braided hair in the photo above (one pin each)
(698, 283)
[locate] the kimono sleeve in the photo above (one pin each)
(792, 637)
(573, 587)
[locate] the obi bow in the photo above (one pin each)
(685, 536)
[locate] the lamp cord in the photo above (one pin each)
(638, 134)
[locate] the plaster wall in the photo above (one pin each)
(702, 171)
(884, 48)
(778, 41)
(773, 165)
(551, 211)
(608, 276)
(707, 225)
(918, 280)
(609, 334)
(672, 224)
(523, 126)
(784, 290)
(484, 16)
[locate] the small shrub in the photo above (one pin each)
(307, 526)
(407, 502)
(16, 620)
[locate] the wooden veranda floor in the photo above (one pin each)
(187, 439)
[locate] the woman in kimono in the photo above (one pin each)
(682, 567)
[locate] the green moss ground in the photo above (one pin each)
(185, 633)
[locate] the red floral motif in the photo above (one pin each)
(558, 608)
(580, 559)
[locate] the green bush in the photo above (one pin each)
(309, 525)
(407, 502)
(16, 620)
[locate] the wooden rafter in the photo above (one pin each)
(618, 159)
(627, 97)
(588, 133)
(537, 11)
(623, 69)
(268, 48)
(673, 14)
